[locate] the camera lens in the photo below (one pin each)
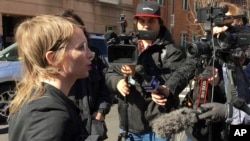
(197, 49)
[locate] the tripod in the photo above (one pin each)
(124, 135)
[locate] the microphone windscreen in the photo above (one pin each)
(174, 122)
(146, 34)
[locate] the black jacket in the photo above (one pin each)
(53, 117)
(162, 60)
(92, 94)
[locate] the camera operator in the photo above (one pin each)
(219, 112)
(159, 57)
(228, 112)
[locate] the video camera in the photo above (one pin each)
(227, 46)
(122, 49)
(234, 39)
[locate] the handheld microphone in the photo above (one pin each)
(174, 122)
(150, 83)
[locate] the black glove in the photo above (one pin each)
(215, 111)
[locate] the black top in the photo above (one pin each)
(53, 117)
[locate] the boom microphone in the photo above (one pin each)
(174, 122)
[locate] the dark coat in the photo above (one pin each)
(163, 60)
(92, 94)
(53, 117)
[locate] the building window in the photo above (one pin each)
(195, 6)
(172, 20)
(161, 2)
(194, 38)
(183, 40)
(185, 4)
(107, 28)
(116, 2)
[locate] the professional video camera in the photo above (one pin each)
(122, 49)
(228, 43)
(227, 46)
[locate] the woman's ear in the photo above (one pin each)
(49, 57)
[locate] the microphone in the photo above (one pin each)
(145, 34)
(174, 122)
(150, 83)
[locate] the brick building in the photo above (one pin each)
(183, 27)
(102, 15)
(98, 15)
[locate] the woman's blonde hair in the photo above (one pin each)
(232, 8)
(35, 37)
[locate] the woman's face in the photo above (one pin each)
(149, 23)
(77, 61)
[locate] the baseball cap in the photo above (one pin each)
(148, 9)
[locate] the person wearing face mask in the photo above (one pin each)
(158, 57)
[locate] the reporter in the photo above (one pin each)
(218, 112)
(228, 112)
(159, 57)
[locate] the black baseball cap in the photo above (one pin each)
(148, 9)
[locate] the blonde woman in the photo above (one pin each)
(55, 53)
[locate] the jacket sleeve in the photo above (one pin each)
(98, 87)
(239, 117)
(112, 77)
(182, 69)
(105, 98)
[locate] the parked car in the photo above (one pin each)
(99, 42)
(11, 71)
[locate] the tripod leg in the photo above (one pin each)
(125, 136)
